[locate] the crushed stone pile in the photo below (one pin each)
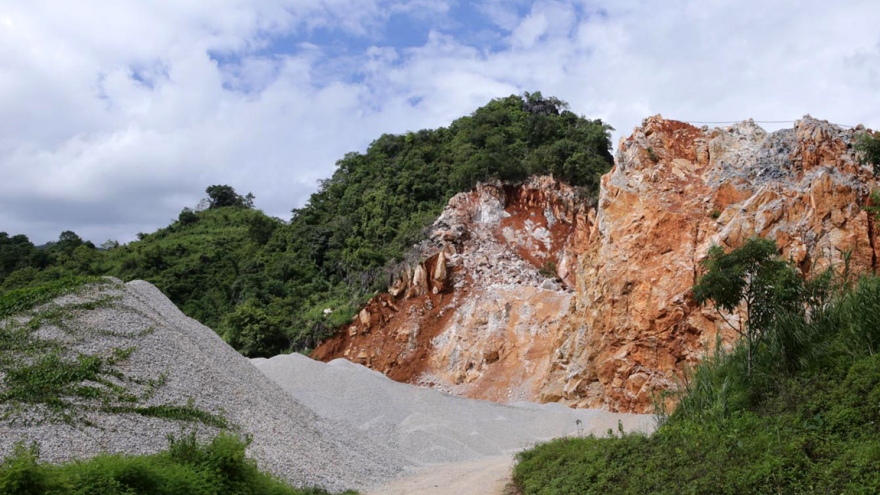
(428, 426)
(200, 369)
(337, 425)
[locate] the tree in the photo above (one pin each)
(16, 252)
(187, 217)
(261, 228)
(868, 147)
(67, 242)
(221, 196)
(753, 275)
(253, 332)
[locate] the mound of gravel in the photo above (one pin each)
(201, 370)
(427, 426)
(337, 425)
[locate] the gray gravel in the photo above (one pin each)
(336, 425)
(425, 425)
(289, 439)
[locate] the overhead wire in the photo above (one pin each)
(755, 121)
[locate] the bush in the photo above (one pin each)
(186, 468)
(868, 147)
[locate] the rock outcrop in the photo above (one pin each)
(478, 317)
(545, 298)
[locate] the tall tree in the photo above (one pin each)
(221, 196)
(754, 276)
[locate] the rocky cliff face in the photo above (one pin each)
(531, 294)
(479, 316)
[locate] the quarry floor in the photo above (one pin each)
(481, 477)
(445, 444)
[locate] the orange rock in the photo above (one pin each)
(484, 318)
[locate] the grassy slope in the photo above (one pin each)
(811, 429)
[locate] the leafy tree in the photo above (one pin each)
(16, 252)
(868, 147)
(187, 217)
(67, 242)
(755, 276)
(221, 196)
(252, 331)
(261, 228)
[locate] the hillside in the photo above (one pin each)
(796, 412)
(619, 323)
(268, 286)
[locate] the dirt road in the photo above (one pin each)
(481, 477)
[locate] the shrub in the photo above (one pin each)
(187, 467)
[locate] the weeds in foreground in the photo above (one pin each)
(42, 379)
(187, 467)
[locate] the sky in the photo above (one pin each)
(117, 114)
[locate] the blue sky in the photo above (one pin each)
(119, 114)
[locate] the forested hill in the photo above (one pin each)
(264, 283)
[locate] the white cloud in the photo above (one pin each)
(117, 115)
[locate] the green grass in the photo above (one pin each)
(182, 413)
(187, 467)
(41, 379)
(807, 421)
(18, 301)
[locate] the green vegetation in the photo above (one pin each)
(43, 379)
(263, 283)
(186, 468)
(797, 414)
(750, 275)
(868, 147)
(20, 300)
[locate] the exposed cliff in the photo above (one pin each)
(480, 318)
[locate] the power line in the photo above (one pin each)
(738, 121)
(755, 121)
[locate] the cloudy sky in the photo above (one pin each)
(116, 114)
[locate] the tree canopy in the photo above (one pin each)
(754, 276)
(221, 196)
(868, 147)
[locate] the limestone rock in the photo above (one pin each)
(535, 295)
(634, 326)
(478, 315)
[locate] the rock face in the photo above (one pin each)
(619, 322)
(479, 316)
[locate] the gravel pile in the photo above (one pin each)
(337, 425)
(425, 425)
(289, 439)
